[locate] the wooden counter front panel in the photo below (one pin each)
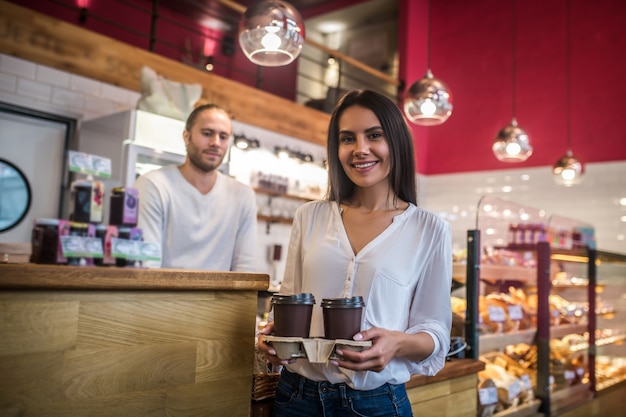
(111, 353)
(456, 397)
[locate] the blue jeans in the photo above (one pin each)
(297, 396)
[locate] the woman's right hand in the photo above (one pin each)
(270, 352)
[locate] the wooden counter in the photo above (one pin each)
(453, 392)
(78, 341)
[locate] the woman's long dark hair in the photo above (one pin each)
(399, 139)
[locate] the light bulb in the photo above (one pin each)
(513, 149)
(568, 174)
(428, 108)
(271, 41)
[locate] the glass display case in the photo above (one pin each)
(546, 332)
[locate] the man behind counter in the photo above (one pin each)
(203, 219)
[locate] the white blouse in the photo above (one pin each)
(404, 276)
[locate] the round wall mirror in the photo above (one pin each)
(15, 195)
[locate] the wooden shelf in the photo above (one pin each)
(281, 195)
(272, 219)
(493, 273)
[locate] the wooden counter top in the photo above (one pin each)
(33, 276)
(452, 369)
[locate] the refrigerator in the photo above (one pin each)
(136, 142)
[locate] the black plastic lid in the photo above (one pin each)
(302, 298)
(356, 301)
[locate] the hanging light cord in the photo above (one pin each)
(568, 96)
(428, 39)
(514, 72)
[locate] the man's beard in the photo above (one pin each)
(195, 158)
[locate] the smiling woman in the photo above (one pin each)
(15, 195)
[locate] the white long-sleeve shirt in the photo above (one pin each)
(404, 276)
(216, 231)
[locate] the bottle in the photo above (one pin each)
(124, 206)
(86, 201)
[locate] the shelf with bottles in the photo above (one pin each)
(277, 206)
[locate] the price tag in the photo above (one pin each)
(569, 375)
(77, 247)
(580, 371)
(488, 396)
(526, 382)
(89, 164)
(496, 314)
(551, 380)
(514, 390)
(136, 250)
(515, 312)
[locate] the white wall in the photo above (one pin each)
(595, 201)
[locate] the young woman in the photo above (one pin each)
(368, 238)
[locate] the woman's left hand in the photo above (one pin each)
(385, 345)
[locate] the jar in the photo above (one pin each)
(45, 241)
(124, 206)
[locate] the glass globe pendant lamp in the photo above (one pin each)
(568, 170)
(512, 144)
(271, 33)
(428, 101)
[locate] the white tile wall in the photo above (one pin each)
(595, 201)
(454, 196)
(46, 89)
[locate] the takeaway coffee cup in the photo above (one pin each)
(292, 314)
(342, 317)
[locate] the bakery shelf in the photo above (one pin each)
(565, 329)
(491, 342)
(494, 273)
(602, 385)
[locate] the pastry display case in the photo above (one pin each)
(542, 310)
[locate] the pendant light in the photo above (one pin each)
(271, 33)
(428, 101)
(568, 170)
(512, 144)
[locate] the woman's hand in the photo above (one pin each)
(270, 352)
(386, 345)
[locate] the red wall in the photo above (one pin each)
(471, 50)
